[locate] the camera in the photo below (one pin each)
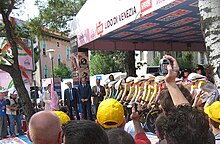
(163, 66)
(134, 105)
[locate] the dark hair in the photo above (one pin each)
(165, 99)
(159, 123)
(119, 136)
(64, 109)
(186, 125)
(111, 76)
(200, 67)
(214, 123)
(84, 132)
(211, 138)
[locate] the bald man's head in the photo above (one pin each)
(45, 128)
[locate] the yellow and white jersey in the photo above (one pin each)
(131, 93)
(144, 95)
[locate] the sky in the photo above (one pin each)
(28, 11)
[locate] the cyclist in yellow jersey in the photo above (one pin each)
(200, 83)
(160, 81)
(150, 90)
(128, 84)
(140, 92)
(107, 92)
(131, 92)
(119, 88)
(154, 94)
(144, 94)
(137, 82)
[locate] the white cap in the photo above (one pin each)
(159, 78)
(4, 90)
(14, 92)
(194, 76)
(178, 79)
(118, 83)
(149, 76)
(110, 84)
(137, 79)
(130, 79)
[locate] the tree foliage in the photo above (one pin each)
(62, 71)
(104, 62)
(156, 61)
(54, 16)
(186, 61)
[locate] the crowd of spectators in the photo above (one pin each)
(180, 122)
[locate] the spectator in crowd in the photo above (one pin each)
(47, 98)
(45, 128)
(185, 117)
(186, 125)
(13, 109)
(5, 92)
(64, 118)
(159, 123)
(119, 136)
(186, 73)
(140, 137)
(209, 74)
(111, 78)
(111, 115)
(85, 96)
(166, 101)
(112, 89)
(98, 93)
(3, 117)
(71, 98)
(84, 132)
(64, 109)
(200, 70)
(213, 112)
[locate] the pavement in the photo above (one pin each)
(24, 139)
(16, 140)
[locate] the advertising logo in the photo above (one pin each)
(99, 28)
(145, 5)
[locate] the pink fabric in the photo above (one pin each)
(54, 100)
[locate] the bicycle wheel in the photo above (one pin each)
(150, 120)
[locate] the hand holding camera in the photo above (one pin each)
(169, 67)
(164, 62)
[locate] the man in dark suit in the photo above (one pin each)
(85, 96)
(98, 93)
(71, 98)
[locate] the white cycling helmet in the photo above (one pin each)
(149, 76)
(130, 79)
(159, 79)
(194, 76)
(137, 79)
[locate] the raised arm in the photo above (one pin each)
(176, 95)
